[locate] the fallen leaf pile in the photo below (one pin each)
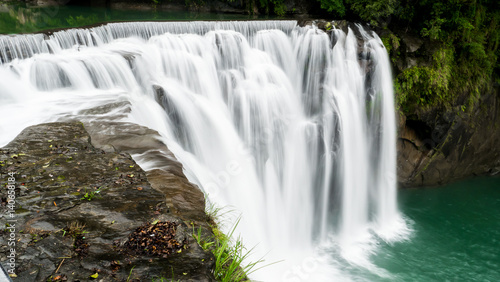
(156, 238)
(81, 246)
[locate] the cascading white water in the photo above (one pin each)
(294, 132)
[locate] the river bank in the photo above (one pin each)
(79, 209)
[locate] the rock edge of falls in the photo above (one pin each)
(55, 164)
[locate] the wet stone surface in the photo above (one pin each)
(77, 206)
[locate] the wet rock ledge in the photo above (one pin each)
(85, 213)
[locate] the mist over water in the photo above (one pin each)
(291, 127)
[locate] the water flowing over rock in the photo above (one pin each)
(292, 127)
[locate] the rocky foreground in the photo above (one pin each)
(84, 213)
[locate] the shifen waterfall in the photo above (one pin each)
(291, 127)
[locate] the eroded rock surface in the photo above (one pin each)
(436, 148)
(64, 182)
(163, 170)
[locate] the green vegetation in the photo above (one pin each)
(229, 254)
(375, 12)
(464, 60)
(278, 6)
(427, 85)
(90, 195)
(460, 58)
(82, 20)
(335, 6)
(130, 273)
(26, 20)
(74, 229)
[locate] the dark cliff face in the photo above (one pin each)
(444, 142)
(438, 146)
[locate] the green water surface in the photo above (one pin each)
(456, 234)
(17, 17)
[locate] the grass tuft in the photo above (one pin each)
(229, 253)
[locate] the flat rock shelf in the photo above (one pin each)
(77, 205)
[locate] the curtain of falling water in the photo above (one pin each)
(290, 126)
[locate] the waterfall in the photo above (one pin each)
(292, 127)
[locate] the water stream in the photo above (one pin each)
(291, 127)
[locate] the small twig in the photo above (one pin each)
(60, 265)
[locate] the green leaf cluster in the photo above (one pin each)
(375, 12)
(467, 61)
(461, 56)
(82, 20)
(277, 7)
(335, 6)
(427, 85)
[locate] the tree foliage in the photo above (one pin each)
(335, 6)
(468, 30)
(464, 35)
(375, 12)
